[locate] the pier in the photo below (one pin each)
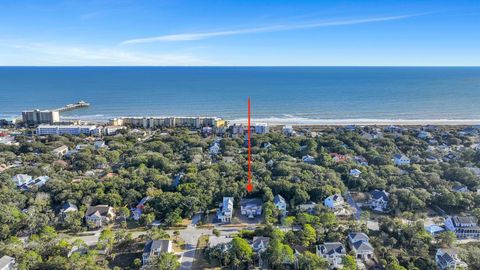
(69, 107)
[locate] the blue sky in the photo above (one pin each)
(240, 33)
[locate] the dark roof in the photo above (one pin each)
(362, 246)
(468, 220)
(154, 245)
(331, 248)
(377, 194)
(357, 236)
(255, 201)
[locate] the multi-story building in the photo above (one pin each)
(225, 212)
(155, 248)
(66, 129)
(463, 227)
(40, 117)
(157, 122)
(359, 243)
(251, 207)
(98, 215)
(448, 259)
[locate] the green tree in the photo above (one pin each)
(106, 240)
(166, 261)
(241, 250)
(349, 263)
(310, 261)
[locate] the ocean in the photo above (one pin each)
(289, 94)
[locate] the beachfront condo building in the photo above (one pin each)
(66, 129)
(40, 117)
(157, 122)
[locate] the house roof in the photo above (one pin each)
(5, 260)
(101, 210)
(279, 199)
(362, 246)
(331, 248)
(258, 240)
(69, 207)
(253, 201)
(379, 194)
(357, 236)
(336, 197)
(446, 256)
(156, 245)
(469, 220)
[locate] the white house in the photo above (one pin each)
(308, 159)
(261, 128)
(360, 246)
(333, 252)
(448, 259)
(7, 263)
(98, 215)
(355, 172)
(155, 248)
(463, 227)
(259, 246)
(379, 200)
(401, 160)
(280, 204)
(251, 207)
(225, 212)
(334, 201)
(288, 130)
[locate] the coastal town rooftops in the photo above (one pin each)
(160, 246)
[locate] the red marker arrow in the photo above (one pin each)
(249, 185)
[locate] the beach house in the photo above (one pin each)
(333, 252)
(155, 248)
(401, 160)
(98, 215)
(251, 207)
(225, 212)
(448, 259)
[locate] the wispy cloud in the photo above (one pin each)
(52, 54)
(273, 28)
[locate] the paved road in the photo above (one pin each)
(190, 235)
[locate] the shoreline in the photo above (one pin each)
(361, 122)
